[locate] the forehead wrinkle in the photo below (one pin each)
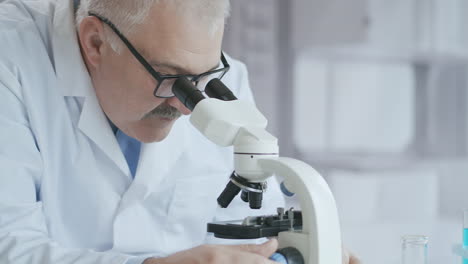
(207, 56)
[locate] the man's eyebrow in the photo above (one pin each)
(177, 68)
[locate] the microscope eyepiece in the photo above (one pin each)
(187, 93)
(216, 89)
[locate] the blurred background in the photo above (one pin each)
(373, 94)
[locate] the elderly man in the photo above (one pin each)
(89, 171)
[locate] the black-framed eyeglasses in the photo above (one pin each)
(164, 86)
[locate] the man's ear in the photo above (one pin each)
(91, 37)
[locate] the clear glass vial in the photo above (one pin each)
(465, 233)
(414, 249)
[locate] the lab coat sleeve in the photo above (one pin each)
(24, 237)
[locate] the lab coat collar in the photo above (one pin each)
(74, 80)
(70, 69)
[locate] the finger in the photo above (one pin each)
(345, 256)
(266, 249)
(354, 260)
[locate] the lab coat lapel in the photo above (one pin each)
(158, 158)
(74, 80)
(156, 161)
(94, 124)
(135, 225)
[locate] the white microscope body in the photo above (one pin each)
(239, 124)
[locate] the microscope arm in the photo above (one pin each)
(320, 239)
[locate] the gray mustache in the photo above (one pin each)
(164, 111)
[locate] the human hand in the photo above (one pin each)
(225, 254)
(349, 258)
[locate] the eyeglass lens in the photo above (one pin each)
(164, 88)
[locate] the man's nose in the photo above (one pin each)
(176, 103)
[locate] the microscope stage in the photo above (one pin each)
(257, 226)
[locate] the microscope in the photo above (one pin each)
(309, 236)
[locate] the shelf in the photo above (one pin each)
(376, 161)
(368, 54)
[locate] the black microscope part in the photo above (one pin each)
(228, 194)
(252, 192)
(292, 255)
(216, 89)
(255, 200)
(245, 196)
(187, 93)
(262, 226)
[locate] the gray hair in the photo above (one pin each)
(128, 14)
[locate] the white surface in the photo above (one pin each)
(316, 23)
(411, 30)
(386, 196)
(376, 210)
(381, 242)
(370, 103)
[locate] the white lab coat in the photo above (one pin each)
(66, 193)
